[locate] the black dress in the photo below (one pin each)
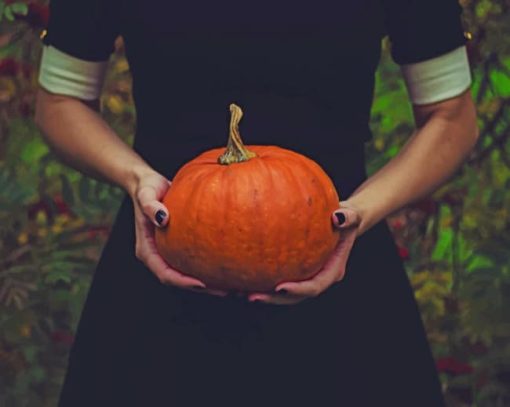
(303, 73)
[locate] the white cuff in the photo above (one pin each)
(64, 74)
(438, 78)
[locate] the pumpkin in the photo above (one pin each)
(249, 217)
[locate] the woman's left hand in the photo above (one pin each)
(288, 293)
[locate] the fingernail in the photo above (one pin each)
(198, 287)
(340, 217)
(282, 291)
(160, 216)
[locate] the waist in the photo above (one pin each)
(287, 120)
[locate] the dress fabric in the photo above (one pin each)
(303, 73)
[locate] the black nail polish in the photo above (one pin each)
(160, 216)
(282, 291)
(341, 218)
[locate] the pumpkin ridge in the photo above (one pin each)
(268, 174)
(320, 175)
(326, 195)
(203, 204)
(280, 171)
(194, 202)
(297, 181)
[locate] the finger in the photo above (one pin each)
(344, 249)
(170, 276)
(152, 259)
(219, 293)
(276, 299)
(152, 207)
(344, 218)
(148, 253)
(314, 286)
(211, 291)
(332, 271)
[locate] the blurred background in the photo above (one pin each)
(455, 244)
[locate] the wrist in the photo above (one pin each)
(369, 214)
(135, 174)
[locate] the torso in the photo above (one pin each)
(302, 72)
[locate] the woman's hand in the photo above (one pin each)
(150, 213)
(347, 219)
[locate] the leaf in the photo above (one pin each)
(500, 83)
(19, 8)
(65, 266)
(477, 262)
(21, 268)
(442, 250)
(75, 260)
(392, 151)
(58, 275)
(34, 150)
(9, 15)
(483, 8)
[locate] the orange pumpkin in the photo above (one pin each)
(249, 217)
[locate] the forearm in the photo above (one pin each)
(441, 143)
(84, 141)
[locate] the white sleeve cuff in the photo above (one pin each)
(64, 74)
(438, 78)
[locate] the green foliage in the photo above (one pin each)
(9, 11)
(456, 243)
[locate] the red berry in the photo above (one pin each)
(452, 366)
(60, 336)
(9, 67)
(403, 252)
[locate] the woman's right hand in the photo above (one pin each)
(149, 214)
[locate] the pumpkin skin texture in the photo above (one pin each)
(249, 225)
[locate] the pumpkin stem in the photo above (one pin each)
(235, 152)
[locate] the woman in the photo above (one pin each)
(304, 76)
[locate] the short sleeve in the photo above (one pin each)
(419, 30)
(84, 29)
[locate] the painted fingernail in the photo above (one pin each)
(160, 216)
(282, 291)
(340, 217)
(198, 287)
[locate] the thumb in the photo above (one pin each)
(345, 218)
(152, 207)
